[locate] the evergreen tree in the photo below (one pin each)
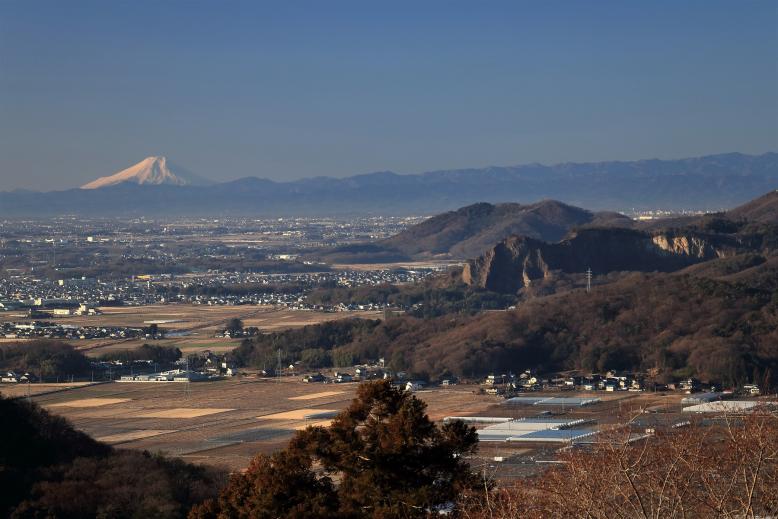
(389, 459)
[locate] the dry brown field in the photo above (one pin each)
(222, 423)
(205, 318)
(225, 423)
(20, 390)
(198, 324)
(190, 344)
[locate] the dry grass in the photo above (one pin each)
(257, 402)
(118, 412)
(201, 322)
(133, 435)
(205, 318)
(17, 390)
(91, 402)
(316, 395)
(296, 414)
(181, 412)
(321, 423)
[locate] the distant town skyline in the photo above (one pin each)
(285, 91)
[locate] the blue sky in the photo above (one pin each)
(285, 90)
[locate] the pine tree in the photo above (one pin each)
(389, 459)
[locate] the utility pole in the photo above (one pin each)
(188, 379)
(588, 280)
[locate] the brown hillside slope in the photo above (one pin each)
(469, 231)
(763, 209)
(677, 323)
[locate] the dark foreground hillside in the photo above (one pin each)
(48, 469)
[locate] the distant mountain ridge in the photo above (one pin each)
(713, 182)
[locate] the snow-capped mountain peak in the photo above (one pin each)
(149, 171)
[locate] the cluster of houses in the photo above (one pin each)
(12, 377)
(173, 375)
(362, 373)
(82, 296)
(610, 381)
(213, 364)
(41, 307)
(249, 331)
(29, 292)
(530, 381)
(194, 368)
(49, 330)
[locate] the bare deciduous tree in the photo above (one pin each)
(726, 470)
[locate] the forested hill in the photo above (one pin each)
(763, 209)
(719, 324)
(469, 231)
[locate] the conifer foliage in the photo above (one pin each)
(381, 457)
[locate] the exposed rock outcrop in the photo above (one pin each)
(518, 261)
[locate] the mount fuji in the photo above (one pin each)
(154, 171)
(155, 187)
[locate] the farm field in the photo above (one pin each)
(21, 390)
(187, 345)
(193, 327)
(225, 423)
(222, 423)
(203, 318)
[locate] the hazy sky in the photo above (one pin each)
(285, 90)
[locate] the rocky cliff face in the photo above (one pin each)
(518, 261)
(688, 246)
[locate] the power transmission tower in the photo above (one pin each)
(278, 375)
(588, 280)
